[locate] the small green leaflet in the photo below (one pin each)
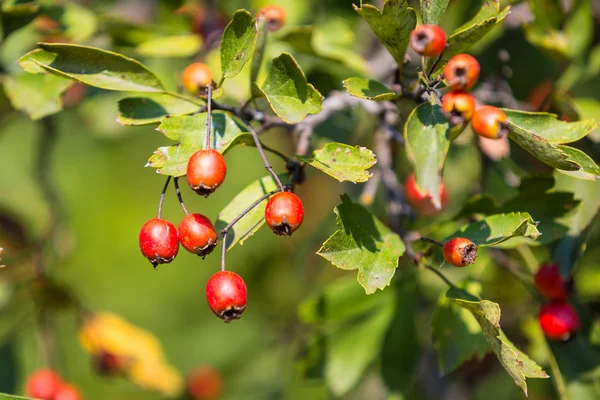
(343, 162)
(369, 89)
(237, 45)
(498, 228)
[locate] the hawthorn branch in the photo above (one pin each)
(161, 200)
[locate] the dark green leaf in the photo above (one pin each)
(427, 136)
(392, 25)
(432, 11)
(170, 46)
(93, 66)
(577, 359)
(548, 14)
(550, 128)
(38, 95)
(259, 51)
(370, 89)
(237, 45)
(343, 162)
(288, 92)
(496, 229)
(152, 108)
(365, 244)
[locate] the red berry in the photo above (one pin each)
(550, 283)
(204, 383)
(284, 213)
(158, 241)
(428, 40)
(558, 320)
(461, 72)
(274, 15)
(196, 77)
(489, 122)
(197, 234)
(67, 392)
(43, 384)
(226, 295)
(460, 252)
(458, 106)
(206, 171)
(422, 201)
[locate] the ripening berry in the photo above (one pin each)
(67, 392)
(458, 106)
(226, 295)
(197, 234)
(428, 40)
(550, 283)
(158, 241)
(422, 201)
(558, 320)
(206, 171)
(204, 383)
(274, 15)
(460, 252)
(461, 72)
(284, 213)
(43, 384)
(489, 122)
(196, 77)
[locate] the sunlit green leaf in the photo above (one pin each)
(498, 228)
(237, 45)
(549, 127)
(432, 11)
(370, 89)
(38, 95)
(171, 46)
(342, 161)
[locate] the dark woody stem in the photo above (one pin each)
(162, 196)
(208, 115)
(178, 192)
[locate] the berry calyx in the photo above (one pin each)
(226, 294)
(459, 252)
(206, 171)
(197, 234)
(428, 40)
(284, 213)
(158, 241)
(461, 72)
(43, 384)
(550, 283)
(274, 15)
(108, 364)
(458, 106)
(558, 321)
(67, 392)
(196, 77)
(489, 122)
(204, 383)
(421, 200)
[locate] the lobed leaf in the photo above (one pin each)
(369, 89)
(38, 95)
(496, 229)
(237, 45)
(153, 107)
(343, 162)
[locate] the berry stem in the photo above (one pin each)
(162, 196)
(429, 240)
(178, 192)
(263, 156)
(208, 116)
(442, 276)
(224, 250)
(247, 210)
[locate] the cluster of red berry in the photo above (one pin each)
(558, 319)
(46, 384)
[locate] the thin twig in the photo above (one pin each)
(178, 192)
(261, 151)
(208, 116)
(442, 276)
(432, 241)
(247, 210)
(162, 196)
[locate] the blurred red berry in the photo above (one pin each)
(204, 383)
(43, 384)
(550, 283)
(558, 321)
(428, 40)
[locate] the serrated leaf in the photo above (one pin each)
(363, 243)
(432, 11)
(343, 162)
(427, 137)
(370, 89)
(549, 127)
(516, 363)
(152, 108)
(237, 45)
(392, 25)
(288, 92)
(252, 221)
(38, 95)
(92, 66)
(170, 46)
(498, 228)
(588, 169)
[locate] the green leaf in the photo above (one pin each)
(252, 221)
(579, 28)
(496, 229)
(516, 363)
(11, 397)
(370, 89)
(288, 92)
(363, 243)
(237, 45)
(392, 25)
(577, 359)
(427, 137)
(548, 14)
(549, 127)
(152, 108)
(343, 162)
(80, 23)
(259, 51)
(170, 46)
(92, 66)
(38, 95)
(588, 169)
(432, 11)
(588, 107)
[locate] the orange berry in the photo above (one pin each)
(458, 106)
(460, 252)
(489, 122)
(274, 15)
(422, 201)
(461, 72)
(196, 77)
(428, 40)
